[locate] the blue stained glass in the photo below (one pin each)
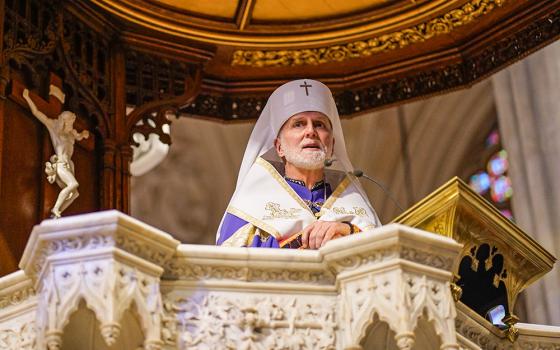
(498, 164)
(480, 182)
(501, 189)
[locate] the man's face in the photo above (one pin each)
(306, 140)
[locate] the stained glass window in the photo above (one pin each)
(492, 181)
(498, 164)
(480, 182)
(493, 138)
(501, 189)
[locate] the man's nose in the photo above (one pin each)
(310, 131)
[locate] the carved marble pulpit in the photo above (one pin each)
(108, 281)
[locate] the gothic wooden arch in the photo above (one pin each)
(102, 70)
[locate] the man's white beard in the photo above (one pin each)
(305, 158)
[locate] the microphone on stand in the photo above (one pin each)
(360, 173)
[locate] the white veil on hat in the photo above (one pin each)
(289, 99)
(304, 95)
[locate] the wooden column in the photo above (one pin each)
(91, 56)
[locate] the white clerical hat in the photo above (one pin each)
(297, 96)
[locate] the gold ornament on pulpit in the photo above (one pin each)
(498, 259)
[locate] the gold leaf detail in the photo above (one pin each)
(362, 48)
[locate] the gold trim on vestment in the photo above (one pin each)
(259, 223)
(276, 175)
(242, 237)
(337, 192)
(272, 170)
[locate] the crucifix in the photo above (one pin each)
(59, 168)
(305, 85)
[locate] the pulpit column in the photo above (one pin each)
(110, 262)
(398, 278)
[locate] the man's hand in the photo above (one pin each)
(319, 233)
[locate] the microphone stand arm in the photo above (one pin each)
(387, 192)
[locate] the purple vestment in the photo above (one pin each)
(314, 198)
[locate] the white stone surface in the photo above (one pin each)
(108, 281)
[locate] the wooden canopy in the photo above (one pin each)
(372, 53)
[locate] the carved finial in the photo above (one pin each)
(152, 345)
(456, 291)
(110, 333)
(405, 341)
(511, 332)
(53, 340)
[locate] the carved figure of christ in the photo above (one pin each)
(60, 168)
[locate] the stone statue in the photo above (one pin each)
(60, 167)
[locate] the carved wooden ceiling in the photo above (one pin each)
(372, 53)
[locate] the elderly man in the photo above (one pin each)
(284, 195)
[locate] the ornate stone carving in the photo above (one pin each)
(399, 299)
(440, 25)
(16, 297)
(250, 322)
(479, 335)
(427, 258)
(380, 255)
(188, 271)
(108, 288)
(144, 249)
(291, 276)
(70, 244)
(240, 298)
(534, 345)
(482, 336)
(20, 336)
(354, 261)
